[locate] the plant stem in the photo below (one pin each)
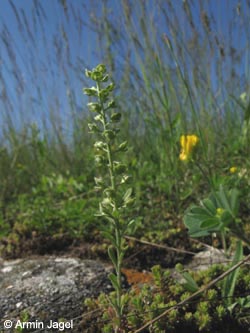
(240, 235)
(118, 274)
(118, 236)
(109, 152)
(223, 240)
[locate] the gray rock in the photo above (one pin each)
(48, 288)
(205, 259)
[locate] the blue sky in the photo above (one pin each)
(37, 62)
(45, 45)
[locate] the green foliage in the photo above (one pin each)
(215, 214)
(230, 281)
(24, 317)
(218, 214)
(189, 284)
(163, 91)
(208, 313)
(57, 205)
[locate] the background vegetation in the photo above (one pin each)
(181, 68)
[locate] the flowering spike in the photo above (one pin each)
(188, 142)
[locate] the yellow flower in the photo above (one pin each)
(233, 169)
(188, 142)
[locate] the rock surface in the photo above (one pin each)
(54, 288)
(49, 288)
(205, 259)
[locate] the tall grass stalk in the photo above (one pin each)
(164, 92)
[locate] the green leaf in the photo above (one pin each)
(110, 87)
(199, 211)
(99, 181)
(101, 68)
(103, 94)
(226, 218)
(127, 194)
(109, 134)
(130, 228)
(131, 222)
(112, 105)
(108, 235)
(199, 233)
(230, 281)
(120, 168)
(210, 223)
(114, 281)
(112, 255)
(115, 117)
(200, 222)
(196, 217)
(123, 146)
(105, 212)
(124, 179)
(93, 128)
(90, 91)
(209, 205)
(223, 200)
(247, 113)
(110, 192)
(100, 145)
(99, 118)
(203, 220)
(99, 159)
(87, 73)
(229, 201)
(190, 284)
(234, 201)
(94, 107)
(186, 193)
(124, 301)
(97, 75)
(105, 78)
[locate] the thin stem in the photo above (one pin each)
(109, 152)
(240, 235)
(118, 235)
(118, 269)
(208, 178)
(223, 240)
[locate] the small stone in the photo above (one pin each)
(26, 274)
(9, 287)
(19, 304)
(7, 269)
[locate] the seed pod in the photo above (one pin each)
(101, 68)
(109, 134)
(90, 91)
(93, 128)
(111, 104)
(100, 145)
(94, 107)
(115, 117)
(120, 168)
(123, 146)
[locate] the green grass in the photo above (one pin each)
(179, 74)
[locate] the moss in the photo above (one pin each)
(205, 314)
